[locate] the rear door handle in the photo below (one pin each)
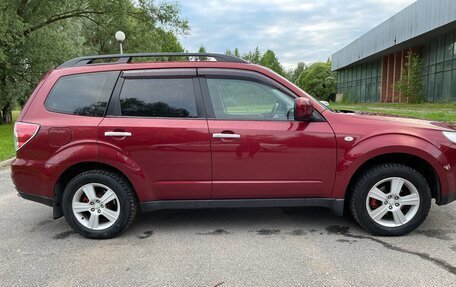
(226, 136)
(117, 134)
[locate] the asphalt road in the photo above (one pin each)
(239, 247)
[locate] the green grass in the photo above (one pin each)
(7, 149)
(435, 112)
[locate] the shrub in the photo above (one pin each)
(410, 85)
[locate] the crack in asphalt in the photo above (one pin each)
(436, 233)
(344, 231)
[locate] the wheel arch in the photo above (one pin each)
(413, 161)
(73, 171)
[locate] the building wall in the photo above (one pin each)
(418, 19)
(439, 73)
(374, 81)
(392, 68)
(360, 83)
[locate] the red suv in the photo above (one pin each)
(104, 137)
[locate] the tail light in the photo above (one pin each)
(23, 133)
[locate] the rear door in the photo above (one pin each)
(157, 121)
(258, 150)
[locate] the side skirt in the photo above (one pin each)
(37, 198)
(335, 205)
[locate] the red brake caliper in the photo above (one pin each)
(373, 203)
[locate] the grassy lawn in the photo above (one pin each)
(436, 112)
(7, 149)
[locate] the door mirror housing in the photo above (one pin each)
(303, 109)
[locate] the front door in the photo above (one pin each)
(258, 150)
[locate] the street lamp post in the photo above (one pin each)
(120, 37)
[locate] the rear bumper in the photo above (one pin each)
(36, 182)
(34, 179)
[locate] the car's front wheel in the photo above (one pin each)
(390, 199)
(99, 204)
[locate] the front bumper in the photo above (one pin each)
(447, 198)
(448, 194)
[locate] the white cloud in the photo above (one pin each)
(297, 30)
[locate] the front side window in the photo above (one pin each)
(174, 98)
(82, 94)
(247, 100)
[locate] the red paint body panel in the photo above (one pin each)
(273, 159)
(449, 159)
(179, 159)
(376, 135)
(172, 154)
(39, 163)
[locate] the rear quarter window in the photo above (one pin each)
(82, 94)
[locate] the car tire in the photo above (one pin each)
(99, 204)
(390, 199)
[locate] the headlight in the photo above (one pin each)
(451, 136)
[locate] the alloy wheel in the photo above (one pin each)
(96, 206)
(392, 202)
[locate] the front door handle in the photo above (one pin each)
(117, 134)
(226, 136)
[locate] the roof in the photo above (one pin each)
(411, 26)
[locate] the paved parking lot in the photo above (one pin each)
(239, 247)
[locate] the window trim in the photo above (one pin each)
(158, 73)
(233, 74)
(114, 108)
(115, 79)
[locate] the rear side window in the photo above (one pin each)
(82, 94)
(158, 97)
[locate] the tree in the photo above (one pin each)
(270, 61)
(293, 74)
(202, 49)
(236, 53)
(253, 57)
(35, 36)
(410, 85)
(319, 81)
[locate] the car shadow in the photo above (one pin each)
(225, 221)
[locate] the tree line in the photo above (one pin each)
(316, 79)
(36, 36)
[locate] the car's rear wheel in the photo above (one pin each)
(390, 199)
(99, 204)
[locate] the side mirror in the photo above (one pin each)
(303, 109)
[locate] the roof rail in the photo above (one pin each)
(127, 58)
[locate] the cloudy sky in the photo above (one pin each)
(297, 30)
